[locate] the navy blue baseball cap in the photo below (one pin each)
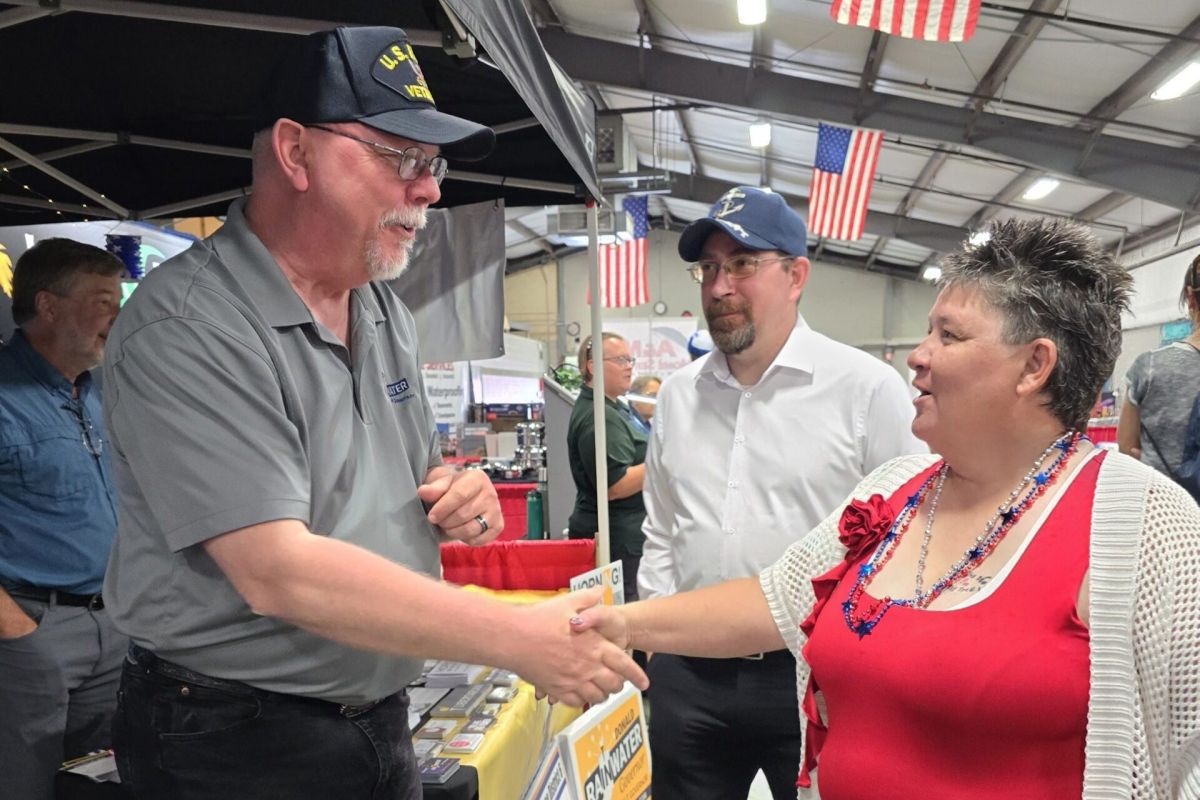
(699, 343)
(755, 218)
(368, 75)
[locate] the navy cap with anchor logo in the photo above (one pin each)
(755, 218)
(368, 75)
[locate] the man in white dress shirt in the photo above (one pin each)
(752, 446)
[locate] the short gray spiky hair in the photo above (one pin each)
(1052, 279)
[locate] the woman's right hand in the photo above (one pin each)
(608, 621)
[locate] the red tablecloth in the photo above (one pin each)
(512, 506)
(1102, 430)
(542, 564)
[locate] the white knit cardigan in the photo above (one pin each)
(1143, 729)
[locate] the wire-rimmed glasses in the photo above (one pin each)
(411, 161)
(92, 441)
(737, 267)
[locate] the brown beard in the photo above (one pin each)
(729, 337)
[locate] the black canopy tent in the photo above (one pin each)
(123, 109)
(144, 109)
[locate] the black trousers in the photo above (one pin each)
(182, 735)
(715, 722)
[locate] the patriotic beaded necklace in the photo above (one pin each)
(1006, 516)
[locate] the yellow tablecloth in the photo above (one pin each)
(510, 751)
(511, 748)
(518, 596)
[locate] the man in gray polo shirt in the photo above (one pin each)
(277, 469)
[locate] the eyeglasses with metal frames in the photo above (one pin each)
(624, 361)
(737, 267)
(92, 441)
(412, 162)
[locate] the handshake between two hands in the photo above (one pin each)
(579, 652)
(572, 647)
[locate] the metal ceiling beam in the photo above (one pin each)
(1068, 19)
(928, 173)
(752, 70)
(538, 259)
(1164, 174)
(647, 27)
(1138, 85)
(1109, 203)
(870, 73)
(1010, 54)
(1156, 70)
(686, 130)
(933, 235)
(997, 73)
(1131, 90)
(924, 179)
(1012, 190)
(530, 233)
(1158, 232)
(1027, 30)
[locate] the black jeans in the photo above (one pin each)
(186, 736)
(715, 722)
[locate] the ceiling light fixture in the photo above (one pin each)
(979, 238)
(760, 133)
(932, 273)
(752, 12)
(1040, 188)
(1179, 83)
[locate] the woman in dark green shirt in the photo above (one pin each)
(626, 452)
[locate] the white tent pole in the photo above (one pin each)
(596, 283)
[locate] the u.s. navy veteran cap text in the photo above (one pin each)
(368, 75)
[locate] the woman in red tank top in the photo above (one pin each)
(1017, 618)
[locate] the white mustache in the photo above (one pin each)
(414, 218)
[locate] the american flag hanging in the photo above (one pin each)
(928, 20)
(841, 181)
(624, 264)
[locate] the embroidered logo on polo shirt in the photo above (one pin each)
(398, 392)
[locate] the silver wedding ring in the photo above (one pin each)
(482, 523)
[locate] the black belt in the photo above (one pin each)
(92, 602)
(146, 660)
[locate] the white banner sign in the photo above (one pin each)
(658, 343)
(446, 387)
